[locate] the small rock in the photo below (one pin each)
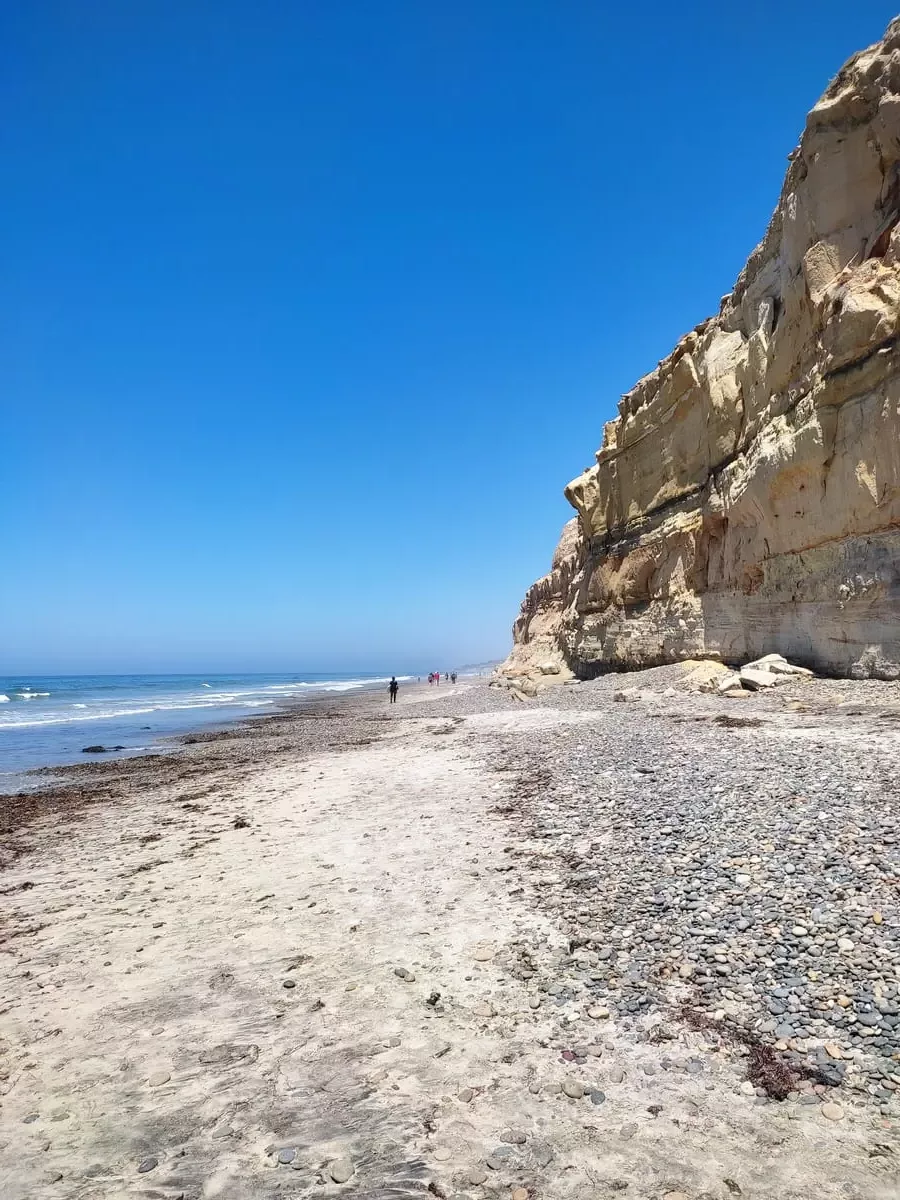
(442, 1153)
(341, 1170)
(406, 976)
(515, 1137)
(158, 1078)
(833, 1112)
(573, 1089)
(483, 953)
(287, 1155)
(289, 983)
(484, 1009)
(466, 1095)
(476, 1176)
(520, 1193)
(147, 1164)
(598, 1013)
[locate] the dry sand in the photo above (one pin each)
(201, 978)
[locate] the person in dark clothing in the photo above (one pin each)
(393, 688)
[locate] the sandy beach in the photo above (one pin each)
(387, 951)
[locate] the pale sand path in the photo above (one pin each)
(145, 1015)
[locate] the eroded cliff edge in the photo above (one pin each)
(747, 497)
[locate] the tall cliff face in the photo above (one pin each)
(747, 497)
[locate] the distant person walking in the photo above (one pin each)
(453, 677)
(393, 688)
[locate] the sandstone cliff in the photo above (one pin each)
(747, 497)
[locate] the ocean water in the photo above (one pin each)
(47, 720)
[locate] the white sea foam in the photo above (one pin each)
(28, 694)
(4, 699)
(261, 696)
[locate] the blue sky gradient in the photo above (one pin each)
(309, 311)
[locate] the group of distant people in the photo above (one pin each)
(434, 677)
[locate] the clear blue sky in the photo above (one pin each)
(309, 310)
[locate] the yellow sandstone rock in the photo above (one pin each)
(747, 497)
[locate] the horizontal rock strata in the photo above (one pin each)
(746, 499)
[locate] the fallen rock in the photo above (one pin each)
(729, 683)
(756, 681)
(776, 664)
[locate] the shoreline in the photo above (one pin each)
(448, 941)
(140, 715)
(67, 786)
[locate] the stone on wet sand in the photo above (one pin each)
(341, 1170)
